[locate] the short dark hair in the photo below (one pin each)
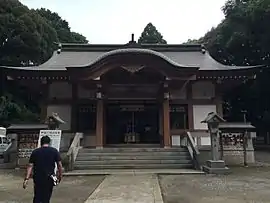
(45, 140)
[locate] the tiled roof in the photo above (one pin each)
(75, 55)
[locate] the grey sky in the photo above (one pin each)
(113, 21)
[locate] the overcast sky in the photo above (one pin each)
(113, 21)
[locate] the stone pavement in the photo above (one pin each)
(127, 189)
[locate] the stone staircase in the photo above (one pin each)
(133, 158)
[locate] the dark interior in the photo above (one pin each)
(132, 118)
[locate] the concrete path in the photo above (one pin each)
(127, 189)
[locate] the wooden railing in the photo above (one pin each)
(73, 150)
(187, 140)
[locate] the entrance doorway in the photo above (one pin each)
(132, 123)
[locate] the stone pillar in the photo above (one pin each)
(99, 124)
(166, 124)
(250, 159)
(214, 146)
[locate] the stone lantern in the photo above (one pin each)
(214, 166)
(54, 121)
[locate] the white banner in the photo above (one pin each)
(55, 136)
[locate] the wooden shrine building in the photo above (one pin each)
(131, 93)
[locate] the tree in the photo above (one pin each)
(27, 38)
(61, 27)
(243, 38)
(150, 35)
(11, 111)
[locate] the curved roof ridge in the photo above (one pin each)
(221, 66)
(136, 50)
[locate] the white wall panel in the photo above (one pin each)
(199, 114)
(205, 141)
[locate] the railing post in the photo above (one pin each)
(183, 140)
(72, 160)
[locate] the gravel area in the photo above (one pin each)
(244, 185)
(71, 189)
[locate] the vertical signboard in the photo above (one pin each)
(55, 136)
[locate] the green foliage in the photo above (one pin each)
(61, 27)
(243, 38)
(27, 38)
(12, 112)
(150, 35)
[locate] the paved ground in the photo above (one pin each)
(244, 185)
(127, 189)
(71, 190)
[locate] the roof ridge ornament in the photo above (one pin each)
(133, 68)
(132, 43)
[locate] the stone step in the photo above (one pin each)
(128, 162)
(87, 154)
(104, 150)
(134, 166)
(161, 171)
(132, 157)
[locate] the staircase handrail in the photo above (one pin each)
(192, 148)
(73, 150)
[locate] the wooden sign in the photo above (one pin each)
(26, 144)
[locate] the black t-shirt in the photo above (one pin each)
(43, 160)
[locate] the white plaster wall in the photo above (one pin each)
(64, 111)
(85, 93)
(178, 93)
(205, 141)
(176, 140)
(60, 90)
(199, 113)
(203, 90)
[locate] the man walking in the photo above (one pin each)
(42, 163)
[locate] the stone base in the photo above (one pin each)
(216, 167)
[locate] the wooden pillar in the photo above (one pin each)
(100, 118)
(44, 100)
(190, 107)
(218, 99)
(74, 107)
(99, 124)
(166, 124)
(160, 112)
